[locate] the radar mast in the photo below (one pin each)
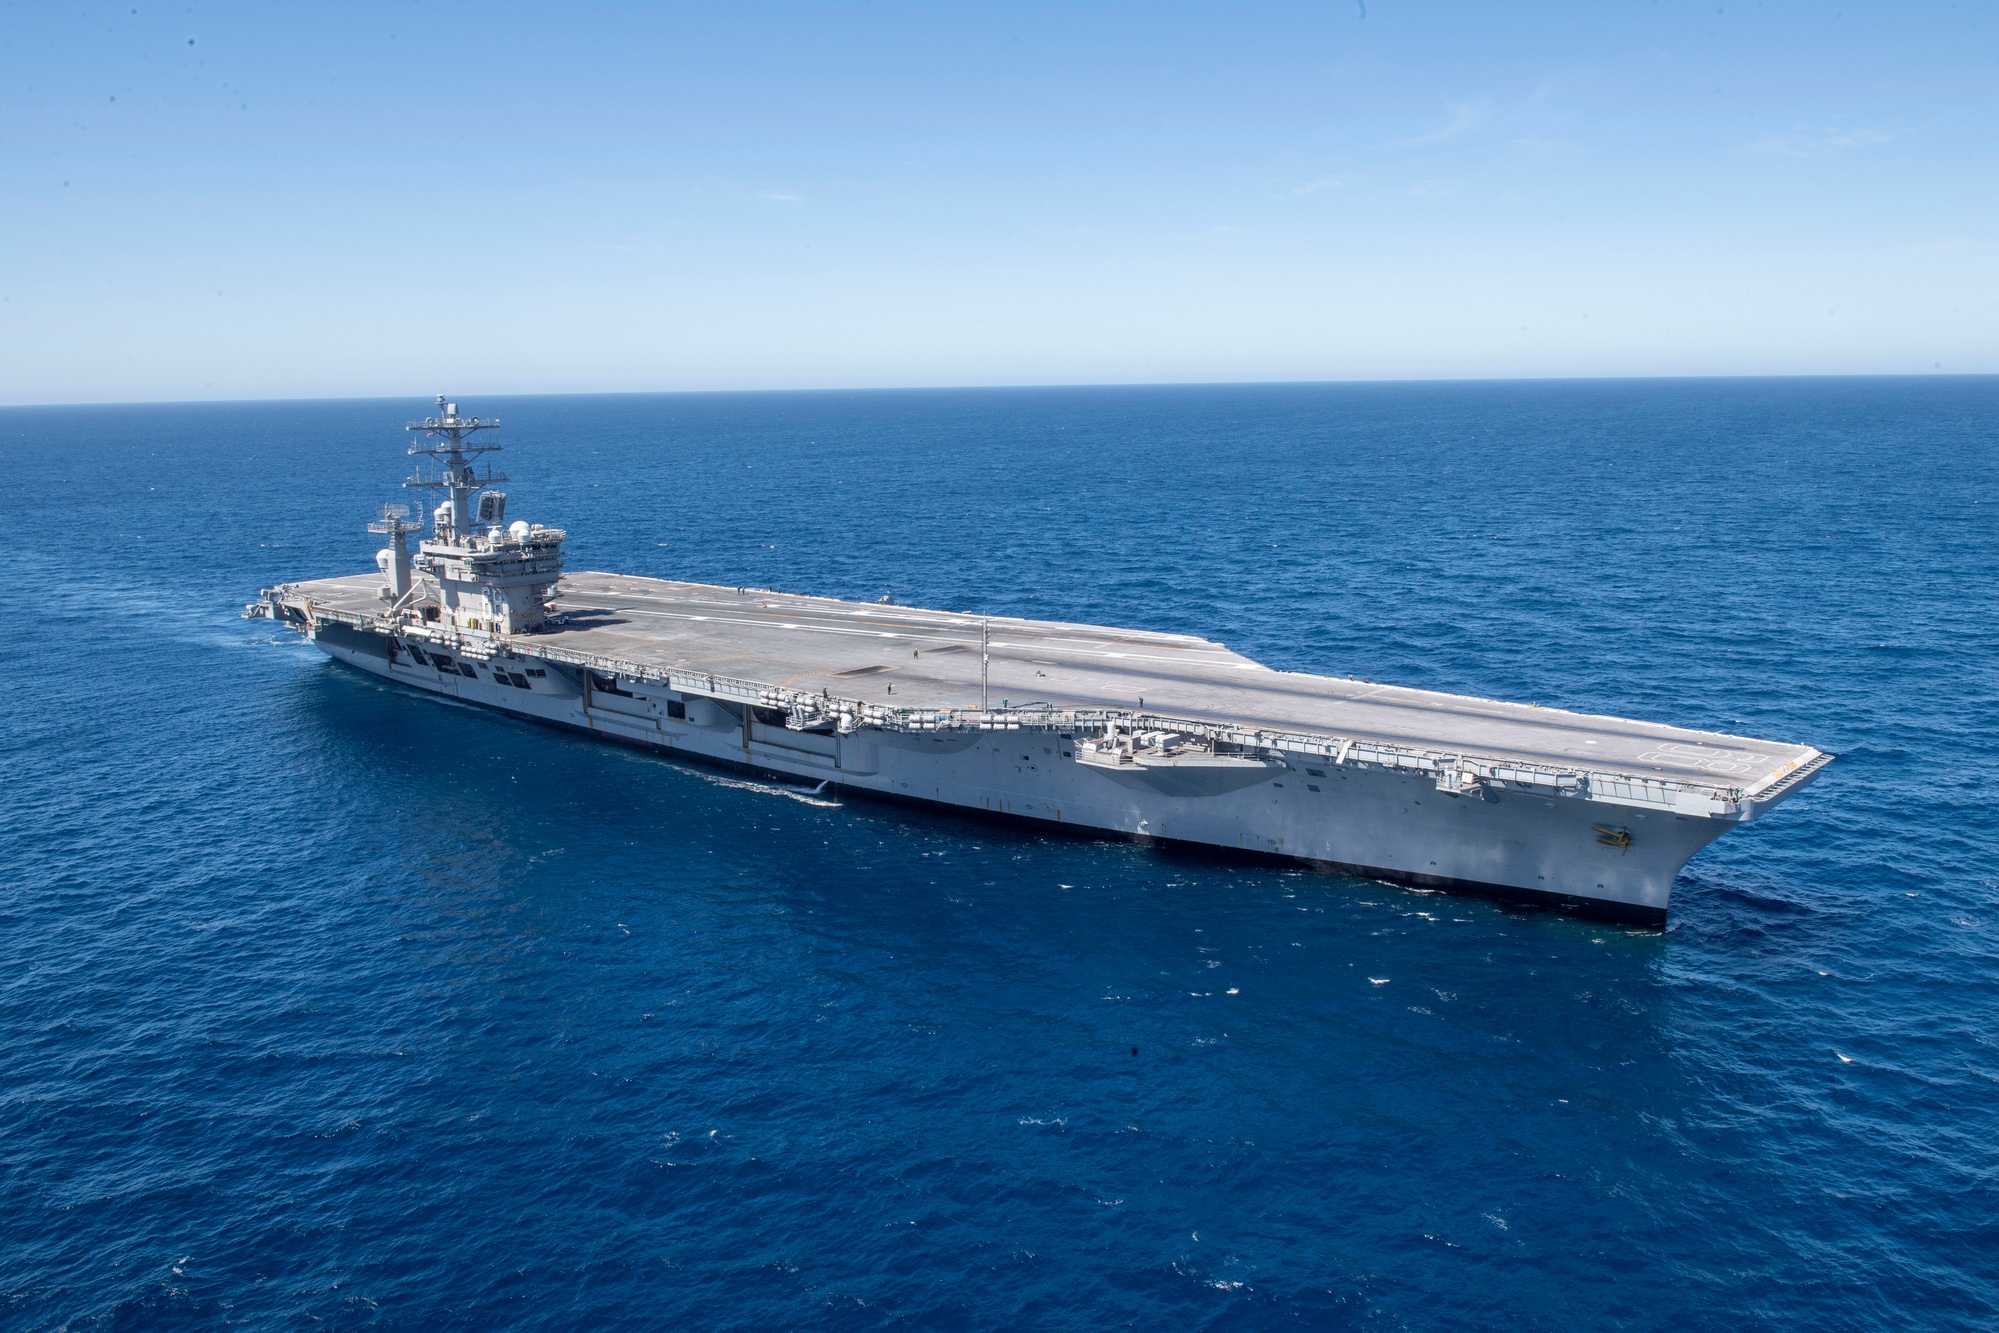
(447, 437)
(394, 559)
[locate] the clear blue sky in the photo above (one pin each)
(275, 200)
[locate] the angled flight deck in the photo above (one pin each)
(907, 658)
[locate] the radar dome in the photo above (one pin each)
(518, 530)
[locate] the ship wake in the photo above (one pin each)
(813, 795)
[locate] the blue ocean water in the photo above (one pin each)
(324, 1004)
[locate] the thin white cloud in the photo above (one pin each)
(779, 197)
(1313, 187)
(1463, 120)
(1533, 147)
(1822, 144)
(1960, 251)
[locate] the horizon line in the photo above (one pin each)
(1013, 387)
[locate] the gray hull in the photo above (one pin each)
(1368, 820)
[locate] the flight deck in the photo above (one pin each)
(900, 657)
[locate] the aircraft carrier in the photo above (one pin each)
(1154, 736)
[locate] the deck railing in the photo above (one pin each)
(1454, 772)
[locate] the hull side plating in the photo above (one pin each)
(1359, 819)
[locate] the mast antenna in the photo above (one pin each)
(453, 441)
(394, 559)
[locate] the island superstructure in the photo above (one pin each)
(1156, 736)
